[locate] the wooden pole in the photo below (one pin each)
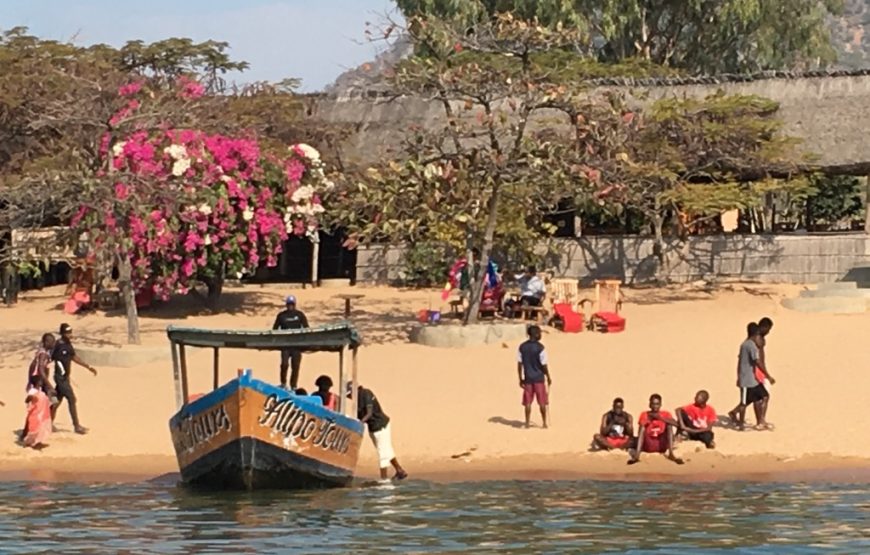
(184, 389)
(355, 386)
(176, 377)
(867, 204)
(342, 387)
(315, 260)
(216, 368)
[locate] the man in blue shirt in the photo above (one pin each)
(534, 374)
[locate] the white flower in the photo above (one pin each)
(204, 209)
(328, 184)
(248, 214)
(308, 151)
(302, 194)
(317, 209)
(226, 178)
(431, 171)
(177, 152)
(118, 149)
(207, 240)
(180, 166)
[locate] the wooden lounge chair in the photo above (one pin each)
(607, 304)
(567, 305)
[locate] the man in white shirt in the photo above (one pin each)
(532, 288)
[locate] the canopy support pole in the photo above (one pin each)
(184, 389)
(176, 376)
(355, 387)
(342, 403)
(216, 368)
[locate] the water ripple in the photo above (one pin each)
(419, 517)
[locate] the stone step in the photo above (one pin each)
(860, 274)
(831, 293)
(835, 305)
(837, 286)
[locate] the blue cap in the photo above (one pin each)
(290, 300)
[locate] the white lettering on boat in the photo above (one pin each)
(288, 419)
(196, 429)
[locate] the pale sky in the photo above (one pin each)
(314, 40)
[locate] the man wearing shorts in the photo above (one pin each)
(617, 429)
(371, 414)
(656, 433)
(751, 391)
(534, 374)
(764, 327)
(697, 420)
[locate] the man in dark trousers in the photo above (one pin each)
(534, 375)
(63, 355)
(290, 319)
(371, 414)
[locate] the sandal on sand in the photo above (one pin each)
(765, 427)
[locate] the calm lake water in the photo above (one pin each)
(420, 517)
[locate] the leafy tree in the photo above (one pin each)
(699, 36)
(496, 165)
(836, 199)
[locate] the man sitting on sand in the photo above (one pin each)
(697, 420)
(656, 433)
(617, 430)
(751, 391)
(534, 374)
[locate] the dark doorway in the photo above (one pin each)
(294, 263)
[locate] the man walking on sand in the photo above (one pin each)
(751, 391)
(534, 375)
(656, 433)
(371, 414)
(290, 319)
(764, 327)
(63, 355)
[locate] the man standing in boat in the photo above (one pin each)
(290, 319)
(370, 413)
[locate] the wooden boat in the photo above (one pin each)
(248, 434)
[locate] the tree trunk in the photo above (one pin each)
(215, 290)
(659, 241)
(125, 279)
(9, 283)
(477, 286)
(867, 205)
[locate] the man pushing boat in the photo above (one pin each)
(370, 413)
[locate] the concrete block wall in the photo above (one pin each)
(798, 258)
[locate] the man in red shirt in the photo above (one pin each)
(656, 433)
(697, 419)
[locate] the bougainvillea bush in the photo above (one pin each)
(184, 205)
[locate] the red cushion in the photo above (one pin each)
(573, 320)
(613, 322)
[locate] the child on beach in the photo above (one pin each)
(37, 425)
(324, 384)
(617, 430)
(534, 374)
(656, 433)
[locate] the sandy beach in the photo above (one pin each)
(456, 413)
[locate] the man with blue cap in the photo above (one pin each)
(290, 319)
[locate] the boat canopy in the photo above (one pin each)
(332, 338)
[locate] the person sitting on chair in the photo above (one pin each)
(532, 291)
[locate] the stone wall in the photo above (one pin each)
(798, 258)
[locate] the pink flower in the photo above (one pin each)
(121, 191)
(189, 89)
(294, 171)
(130, 89)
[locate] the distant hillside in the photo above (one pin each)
(850, 33)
